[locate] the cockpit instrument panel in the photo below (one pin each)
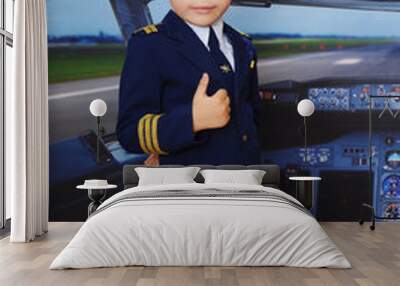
(355, 97)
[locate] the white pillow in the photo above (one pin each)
(162, 176)
(248, 177)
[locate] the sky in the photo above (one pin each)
(89, 17)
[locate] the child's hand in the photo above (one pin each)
(152, 160)
(210, 111)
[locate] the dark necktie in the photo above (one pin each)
(222, 62)
(225, 68)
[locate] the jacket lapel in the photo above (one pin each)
(191, 47)
(241, 59)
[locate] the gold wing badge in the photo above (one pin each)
(225, 68)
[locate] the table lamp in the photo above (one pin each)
(305, 108)
(98, 108)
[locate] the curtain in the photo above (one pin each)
(27, 139)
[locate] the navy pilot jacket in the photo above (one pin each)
(163, 66)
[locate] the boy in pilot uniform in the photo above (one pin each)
(189, 89)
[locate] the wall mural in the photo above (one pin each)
(336, 58)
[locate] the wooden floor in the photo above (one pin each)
(375, 257)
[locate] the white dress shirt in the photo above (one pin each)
(224, 42)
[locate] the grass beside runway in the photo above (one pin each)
(277, 48)
(68, 63)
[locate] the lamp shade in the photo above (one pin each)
(305, 107)
(98, 107)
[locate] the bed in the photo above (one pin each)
(197, 224)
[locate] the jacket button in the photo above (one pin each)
(244, 137)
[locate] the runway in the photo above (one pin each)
(69, 107)
(378, 62)
(69, 102)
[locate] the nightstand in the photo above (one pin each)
(96, 192)
(305, 188)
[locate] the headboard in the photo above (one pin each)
(271, 177)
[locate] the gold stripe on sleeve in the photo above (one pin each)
(154, 136)
(147, 126)
(141, 133)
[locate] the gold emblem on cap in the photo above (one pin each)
(225, 68)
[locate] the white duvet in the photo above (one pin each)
(200, 231)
